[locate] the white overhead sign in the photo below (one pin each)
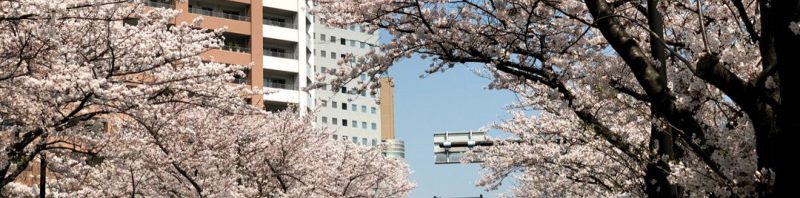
(449, 147)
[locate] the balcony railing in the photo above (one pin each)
(280, 23)
(280, 54)
(219, 14)
(268, 83)
(236, 49)
(159, 4)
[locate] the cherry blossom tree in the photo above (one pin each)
(656, 98)
(266, 155)
(119, 99)
(67, 63)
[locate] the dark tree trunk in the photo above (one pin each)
(661, 137)
(787, 46)
(764, 121)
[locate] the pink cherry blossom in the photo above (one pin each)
(121, 103)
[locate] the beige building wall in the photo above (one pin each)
(252, 28)
(387, 108)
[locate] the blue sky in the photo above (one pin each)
(454, 100)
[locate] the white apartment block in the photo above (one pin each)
(272, 35)
(288, 54)
(288, 49)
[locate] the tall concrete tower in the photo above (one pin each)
(396, 148)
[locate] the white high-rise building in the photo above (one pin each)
(355, 117)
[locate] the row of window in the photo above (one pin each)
(324, 54)
(363, 77)
(353, 107)
(358, 27)
(355, 140)
(344, 41)
(344, 91)
(324, 70)
(353, 123)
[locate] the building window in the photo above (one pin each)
(362, 44)
(333, 55)
(335, 137)
(374, 110)
(352, 43)
(336, 121)
(277, 21)
(324, 103)
(352, 27)
(343, 41)
(334, 104)
(276, 52)
(333, 39)
(324, 120)
(363, 93)
(322, 37)
(355, 140)
(344, 138)
(354, 107)
(363, 108)
(343, 56)
(323, 53)
(355, 124)
(364, 125)
(276, 83)
(374, 126)
(364, 141)
(323, 70)
(344, 122)
(344, 89)
(374, 142)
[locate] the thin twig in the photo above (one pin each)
(702, 26)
